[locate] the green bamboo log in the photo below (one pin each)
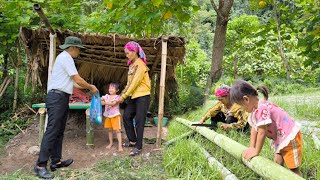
(262, 166)
(316, 141)
(174, 140)
(213, 163)
(42, 112)
(89, 130)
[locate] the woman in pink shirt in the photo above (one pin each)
(268, 120)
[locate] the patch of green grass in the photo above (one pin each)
(183, 160)
(141, 167)
(300, 107)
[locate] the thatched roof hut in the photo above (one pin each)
(103, 60)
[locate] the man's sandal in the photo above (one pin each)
(128, 144)
(135, 152)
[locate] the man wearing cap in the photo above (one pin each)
(60, 86)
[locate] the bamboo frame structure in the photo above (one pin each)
(262, 166)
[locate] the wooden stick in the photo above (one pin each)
(3, 83)
(19, 128)
(5, 87)
(30, 108)
(162, 89)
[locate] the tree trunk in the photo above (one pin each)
(16, 82)
(16, 87)
(282, 54)
(5, 65)
(223, 11)
(235, 67)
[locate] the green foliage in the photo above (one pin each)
(308, 23)
(9, 128)
(196, 67)
(139, 18)
(189, 98)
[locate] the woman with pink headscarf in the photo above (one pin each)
(137, 93)
(230, 114)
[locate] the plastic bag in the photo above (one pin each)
(96, 109)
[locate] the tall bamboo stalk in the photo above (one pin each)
(162, 89)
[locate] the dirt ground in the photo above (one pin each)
(74, 146)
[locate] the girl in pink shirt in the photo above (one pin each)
(112, 114)
(268, 120)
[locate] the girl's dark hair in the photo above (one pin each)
(115, 84)
(242, 88)
(264, 90)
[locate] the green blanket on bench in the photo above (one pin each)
(71, 105)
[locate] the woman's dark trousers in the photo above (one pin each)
(136, 109)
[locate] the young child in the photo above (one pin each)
(268, 120)
(112, 114)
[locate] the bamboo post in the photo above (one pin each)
(53, 36)
(213, 163)
(262, 166)
(162, 89)
(42, 112)
(89, 130)
(52, 54)
(174, 140)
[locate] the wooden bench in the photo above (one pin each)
(89, 125)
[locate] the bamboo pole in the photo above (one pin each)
(44, 18)
(262, 166)
(215, 164)
(89, 130)
(162, 89)
(174, 140)
(52, 54)
(42, 112)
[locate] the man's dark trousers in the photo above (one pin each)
(57, 104)
(136, 108)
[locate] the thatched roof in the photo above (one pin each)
(103, 60)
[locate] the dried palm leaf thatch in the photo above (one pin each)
(103, 60)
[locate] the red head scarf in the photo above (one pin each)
(222, 91)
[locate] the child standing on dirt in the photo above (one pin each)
(268, 120)
(112, 114)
